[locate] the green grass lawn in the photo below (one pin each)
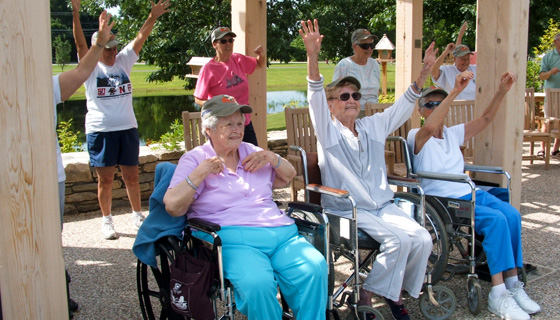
(279, 77)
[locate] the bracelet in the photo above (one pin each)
(279, 161)
(98, 45)
(191, 183)
(415, 86)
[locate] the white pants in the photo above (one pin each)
(404, 252)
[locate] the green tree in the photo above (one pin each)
(547, 39)
(62, 49)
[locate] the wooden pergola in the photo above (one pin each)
(32, 278)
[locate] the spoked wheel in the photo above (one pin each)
(522, 274)
(474, 296)
(446, 300)
(153, 287)
(365, 313)
(437, 261)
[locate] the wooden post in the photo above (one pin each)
(248, 21)
(384, 77)
(409, 48)
(32, 277)
(502, 46)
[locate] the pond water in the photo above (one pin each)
(156, 114)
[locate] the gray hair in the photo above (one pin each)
(422, 100)
(211, 122)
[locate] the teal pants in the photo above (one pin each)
(258, 261)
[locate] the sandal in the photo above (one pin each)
(540, 154)
(555, 153)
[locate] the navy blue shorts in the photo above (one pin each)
(108, 149)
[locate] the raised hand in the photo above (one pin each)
(311, 36)
(450, 47)
(462, 80)
(506, 81)
(430, 56)
(160, 8)
(104, 34)
(76, 5)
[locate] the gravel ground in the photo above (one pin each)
(104, 271)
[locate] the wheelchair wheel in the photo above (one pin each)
(437, 261)
(153, 283)
(474, 296)
(446, 300)
(365, 313)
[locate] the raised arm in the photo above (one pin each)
(435, 71)
(474, 126)
(261, 59)
(312, 39)
(79, 38)
(71, 80)
(434, 122)
(461, 33)
(429, 62)
(157, 10)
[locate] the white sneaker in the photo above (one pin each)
(523, 300)
(108, 229)
(137, 220)
(505, 307)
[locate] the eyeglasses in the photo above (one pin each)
(431, 104)
(224, 41)
(366, 46)
(346, 96)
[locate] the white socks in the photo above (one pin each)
(511, 281)
(497, 291)
(109, 217)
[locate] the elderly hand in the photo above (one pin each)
(311, 36)
(257, 160)
(507, 80)
(76, 5)
(211, 166)
(450, 47)
(462, 80)
(430, 57)
(160, 8)
(554, 70)
(259, 50)
(104, 28)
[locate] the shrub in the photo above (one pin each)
(67, 139)
(172, 139)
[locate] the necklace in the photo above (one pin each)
(442, 144)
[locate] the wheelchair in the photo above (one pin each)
(153, 282)
(348, 241)
(465, 253)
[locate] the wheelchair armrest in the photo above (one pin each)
(486, 169)
(327, 190)
(203, 225)
(403, 181)
(305, 206)
(444, 176)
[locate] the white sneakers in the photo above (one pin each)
(137, 220)
(523, 300)
(108, 229)
(513, 304)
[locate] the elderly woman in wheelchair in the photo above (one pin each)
(436, 148)
(229, 182)
(351, 157)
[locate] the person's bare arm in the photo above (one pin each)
(546, 74)
(478, 124)
(435, 71)
(312, 39)
(79, 38)
(198, 101)
(157, 10)
(71, 80)
(435, 120)
(461, 33)
(429, 62)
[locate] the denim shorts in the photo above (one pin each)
(108, 149)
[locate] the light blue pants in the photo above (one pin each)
(259, 260)
(500, 224)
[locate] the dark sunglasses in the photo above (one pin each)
(224, 41)
(431, 104)
(346, 96)
(366, 46)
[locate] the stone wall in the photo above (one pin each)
(81, 179)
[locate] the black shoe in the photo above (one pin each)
(398, 312)
(73, 305)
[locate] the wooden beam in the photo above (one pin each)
(31, 264)
(248, 21)
(408, 47)
(501, 45)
